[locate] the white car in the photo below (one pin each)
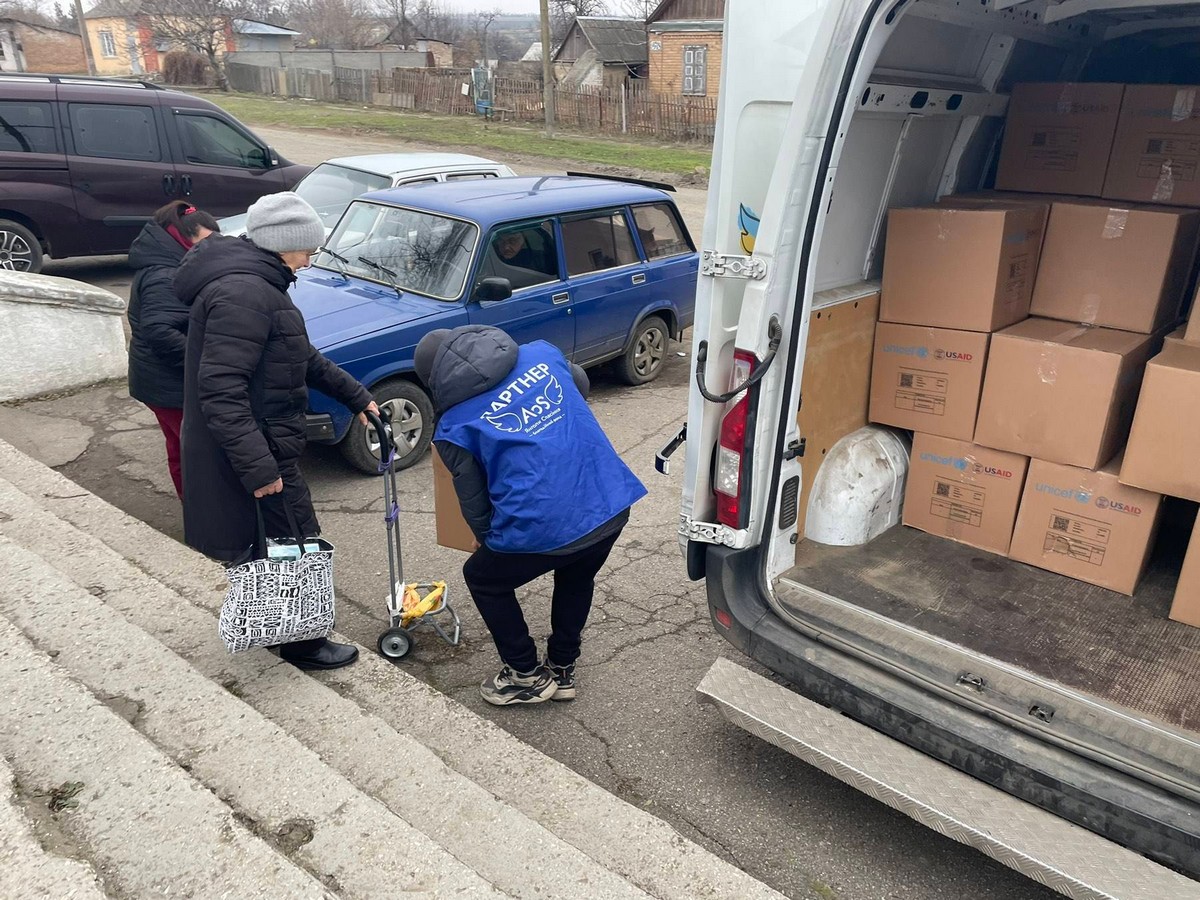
(332, 185)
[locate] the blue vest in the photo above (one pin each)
(552, 474)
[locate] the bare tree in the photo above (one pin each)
(637, 9)
(564, 12)
(25, 11)
(434, 20)
(481, 21)
(198, 26)
(395, 13)
(337, 24)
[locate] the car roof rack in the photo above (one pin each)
(81, 79)
(661, 185)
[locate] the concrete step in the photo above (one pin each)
(147, 826)
(615, 835)
(450, 810)
(29, 870)
(270, 780)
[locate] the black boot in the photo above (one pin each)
(320, 653)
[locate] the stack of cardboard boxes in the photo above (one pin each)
(1016, 326)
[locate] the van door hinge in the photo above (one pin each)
(723, 265)
(795, 449)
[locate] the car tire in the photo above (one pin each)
(20, 250)
(643, 359)
(412, 428)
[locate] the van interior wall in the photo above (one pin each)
(910, 157)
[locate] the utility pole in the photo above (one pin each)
(547, 69)
(83, 36)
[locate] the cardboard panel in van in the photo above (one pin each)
(1060, 392)
(1057, 137)
(1120, 267)
(1185, 607)
(969, 267)
(1086, 525)
(1156, 151)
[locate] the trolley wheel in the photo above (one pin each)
(395, 643)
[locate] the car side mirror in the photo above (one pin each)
(263, 157)
(493, 289)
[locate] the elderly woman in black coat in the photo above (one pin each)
(249, 366)
(158, 320)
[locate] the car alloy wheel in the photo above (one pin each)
(407, 427)
(16, 253)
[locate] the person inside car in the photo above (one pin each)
(518, 437)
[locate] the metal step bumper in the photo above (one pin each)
(1065, 857)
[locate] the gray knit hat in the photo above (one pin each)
(284, 222)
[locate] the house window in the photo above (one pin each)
(695, 69)
(108, 46)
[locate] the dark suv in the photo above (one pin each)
(84, 162)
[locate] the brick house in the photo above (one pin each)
(34, 47)
(685, 47)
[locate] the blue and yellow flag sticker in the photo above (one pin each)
(748, 225)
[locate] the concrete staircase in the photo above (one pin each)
(138, 758)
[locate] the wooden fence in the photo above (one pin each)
(605, 110)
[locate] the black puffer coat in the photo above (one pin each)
(249, 362)
(158, 320)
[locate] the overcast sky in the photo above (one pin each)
(508, 6)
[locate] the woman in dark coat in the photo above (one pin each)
(249, 365)
(158, 320)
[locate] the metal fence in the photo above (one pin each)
(606, 110)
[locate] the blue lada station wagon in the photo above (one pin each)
(603, 269)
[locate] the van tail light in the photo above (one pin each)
(731, 481)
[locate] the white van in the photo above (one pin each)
(1002, 707)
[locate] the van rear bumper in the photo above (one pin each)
(1115, 805)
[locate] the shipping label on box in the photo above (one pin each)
(1057, 137)
(1162, 451)
(927, 379)
(1156, 150)
(1061, 392)
(1120, 267)
(969, 267)
(1086, 525)
(963, 492)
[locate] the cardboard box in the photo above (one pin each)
(927, 379)
(1086, 525)
(1185, 607)
(964, 492)
(968, 267)
(1162, 451)
(1176, 336)
(1061, 392)
(452, 529)
(1118, 267)
(1192, 334)
(1057, 137)
(1156, 151)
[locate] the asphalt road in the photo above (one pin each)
(636, 728)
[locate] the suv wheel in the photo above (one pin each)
(646, 353)
(412, 428)
(20, 250)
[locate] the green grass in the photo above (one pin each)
(463, 131)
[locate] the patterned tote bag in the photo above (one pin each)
(283, 591)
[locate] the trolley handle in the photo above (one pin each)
(382, 423)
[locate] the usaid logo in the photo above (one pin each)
(1065, 493)
(1118, 506)
(954, 462)
(953, 355)
(994, 471)
(919, 352)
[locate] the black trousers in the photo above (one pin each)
(493, 578)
